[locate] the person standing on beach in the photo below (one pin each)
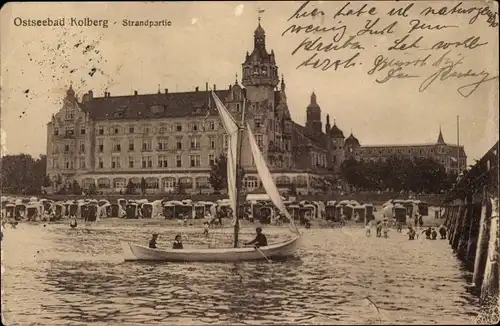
(368, 228)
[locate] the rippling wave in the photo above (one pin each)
(55, 275)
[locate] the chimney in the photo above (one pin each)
(206, 86)
(166, 90)
(215, 88)
(327, 126)
(109, 94)
(196, 89)
(91, 94)
(135, 92)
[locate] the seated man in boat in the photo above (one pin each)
(178, 242)
(259, 241)
(152, 242)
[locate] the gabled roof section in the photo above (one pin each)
(152, 106)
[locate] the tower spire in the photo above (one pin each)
(440, 137)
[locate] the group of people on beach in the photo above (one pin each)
(383, 227)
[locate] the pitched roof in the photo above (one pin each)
(336, 132)
(162, 105)
(352, 140)
(302, 136)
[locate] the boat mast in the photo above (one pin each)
(238, 174)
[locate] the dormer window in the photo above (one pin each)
(157, 110)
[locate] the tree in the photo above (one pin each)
(77, 190)
(92, 190)
(218, 173)
(21, 174)
(130, 189)
(143, 185)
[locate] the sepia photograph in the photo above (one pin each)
(249, 163)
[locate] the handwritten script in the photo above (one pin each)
(430, 42)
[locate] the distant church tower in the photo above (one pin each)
(313, 121)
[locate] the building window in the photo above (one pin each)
(238, 107)
(66, 163)
(56, 131)
(178, 127)
(194, 127)
(257, 122)
(116, 131)
(82, 131)
(115, 162)
(147, 162)
(211, 159)
(146, 145)
(100, 145)
(100, 163)
(130, 161)
(82, 147)
(162, 129)
(130, 130)
(195, 142)
(178, 159)
(82, 162)
(66, 147)
(259, 140)
(131, 145)
(69, 131)
(162, 144)
(117, 147)
(179, 143)
(100, 130)
(152, 183)
(147, 129)
(212, 125)
(162, 161)
(70, 114)
(195, 160)
(211, 140)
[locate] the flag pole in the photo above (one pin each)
(458, 145)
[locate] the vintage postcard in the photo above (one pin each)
(229, 163)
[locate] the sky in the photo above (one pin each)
(207, 42)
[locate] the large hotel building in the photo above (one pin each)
(168, 139)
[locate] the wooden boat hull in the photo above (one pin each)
(134, 252)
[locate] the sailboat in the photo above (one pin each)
(274, 250)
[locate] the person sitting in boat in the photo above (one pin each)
(152, 242)
(259, 241)
(177, 242)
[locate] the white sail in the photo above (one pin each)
(232, 133)
(267, 178)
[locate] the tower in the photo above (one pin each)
(313, 120)
(259, 68)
